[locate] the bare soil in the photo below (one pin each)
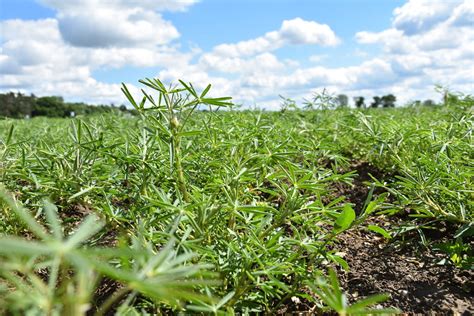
(415, 283)
(407, 271)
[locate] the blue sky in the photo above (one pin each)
(251, 50)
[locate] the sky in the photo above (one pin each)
(252, 50)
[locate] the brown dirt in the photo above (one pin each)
(105, 289)
(74, 213)
(407, 271)
(404, 269)
(358, 191)
(415, 283)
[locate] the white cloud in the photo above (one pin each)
(463, 15)
(255, 72)
(384, 36)
(424, 45)
(120, 23)
(292, 32)
(299, 31)
(36, 58)
(411, 64)
(429, 43)
(106, 28)
(139, 57)
(421, 15)
(265, 62)
(59, 56)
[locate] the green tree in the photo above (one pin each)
(359, 102)
(16, 105)
(429, 102)
(388, 101)
(377, 101)
(50, 106)
(342, 100)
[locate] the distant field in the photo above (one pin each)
(239, 211)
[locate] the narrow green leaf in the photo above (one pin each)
(217, 101)
(261, 209)
(18, 246)
(189, 88)
(129, 96)
(10, 134)
(205, 91)
(361, 305)
(189, 133)
(89, 227)
(153, 84)
(225, 299)
(343, 263)
(142, 103)
(379, 230)
(53, 219)
(25, 216)
(83, 191)
(466, 230)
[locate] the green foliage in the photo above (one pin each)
(330, 292)
(168, 116)
(323, 100)
(21, 106)
(249, 194)
(342, 100)
(49, 106)
(459, 251)
(359, 102)
(388, 101)
(345, 219)
(55, 274)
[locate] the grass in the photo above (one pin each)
(217, 211)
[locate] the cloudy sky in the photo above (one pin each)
(253, 50)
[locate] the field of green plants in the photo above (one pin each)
(225, 211)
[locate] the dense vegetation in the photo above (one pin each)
(18, 105)
(222, 211)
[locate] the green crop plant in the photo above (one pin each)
(171, 110)
(330, 292)
(261, 199)
(56, 274)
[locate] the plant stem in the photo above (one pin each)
(176, 148)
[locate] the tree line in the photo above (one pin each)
(325, 100)
(18, 105)
(386, 101)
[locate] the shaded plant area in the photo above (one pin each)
(232, 212)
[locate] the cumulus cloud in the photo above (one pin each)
(121, 23)
(425, 45)
(35, 57)
(102, 29)
(421, 15)
(292, 32)
(463, 15)
(264, 62)
(428, 43)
